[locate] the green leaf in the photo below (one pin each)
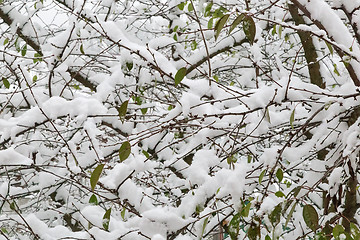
(267, 237)
(331, 49)
(143, 110)
(17, 45)
(6, 41)
(82, 49)
(249, 158)
(137, 100)
(208, 9)
(220, 25)
(249, 28)
(280, 31)
(190, 7)
(23, 50)
(106, 219)
(123, 211)
(37, 57)
(175, 37)
(179, 76)
(218, 13)
(336, 70)
(279, 174)
(287, 37)
(210, 23)
(273, 32)
(234, 226)
(262, 176)
(122, 110)
(311, 217)
(199, 208)
(216, 78)
(124, 151)
(354, 230)
(292, 119)
(147, 155)
(93, 200)
(204, 226)
(35, 78)
(95, 176)
(275, 215)
(6, 83)
(75, 86)
(245, 211)
(279, 194)
(337, 231)
(13, 205)
(181, 6)
(231, 159)
(193, 45)
(236, 22)
(129, 65)
(253, 232)
(290, 214)
(267, 115)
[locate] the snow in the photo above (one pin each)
(42, 230)
(244, 117)
(335, 180)
(11, 157)
(197, 172)
(166, 217)
(269, 157)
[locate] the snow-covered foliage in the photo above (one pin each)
(178, 119)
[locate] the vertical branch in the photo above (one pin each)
(309, 49)
(204, 39)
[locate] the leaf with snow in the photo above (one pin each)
(24, 50)
(106, 219)
(234, 226)
(249, 28)
(275, 215)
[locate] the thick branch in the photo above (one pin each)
(309, 49)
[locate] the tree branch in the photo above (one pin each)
(36, 46)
